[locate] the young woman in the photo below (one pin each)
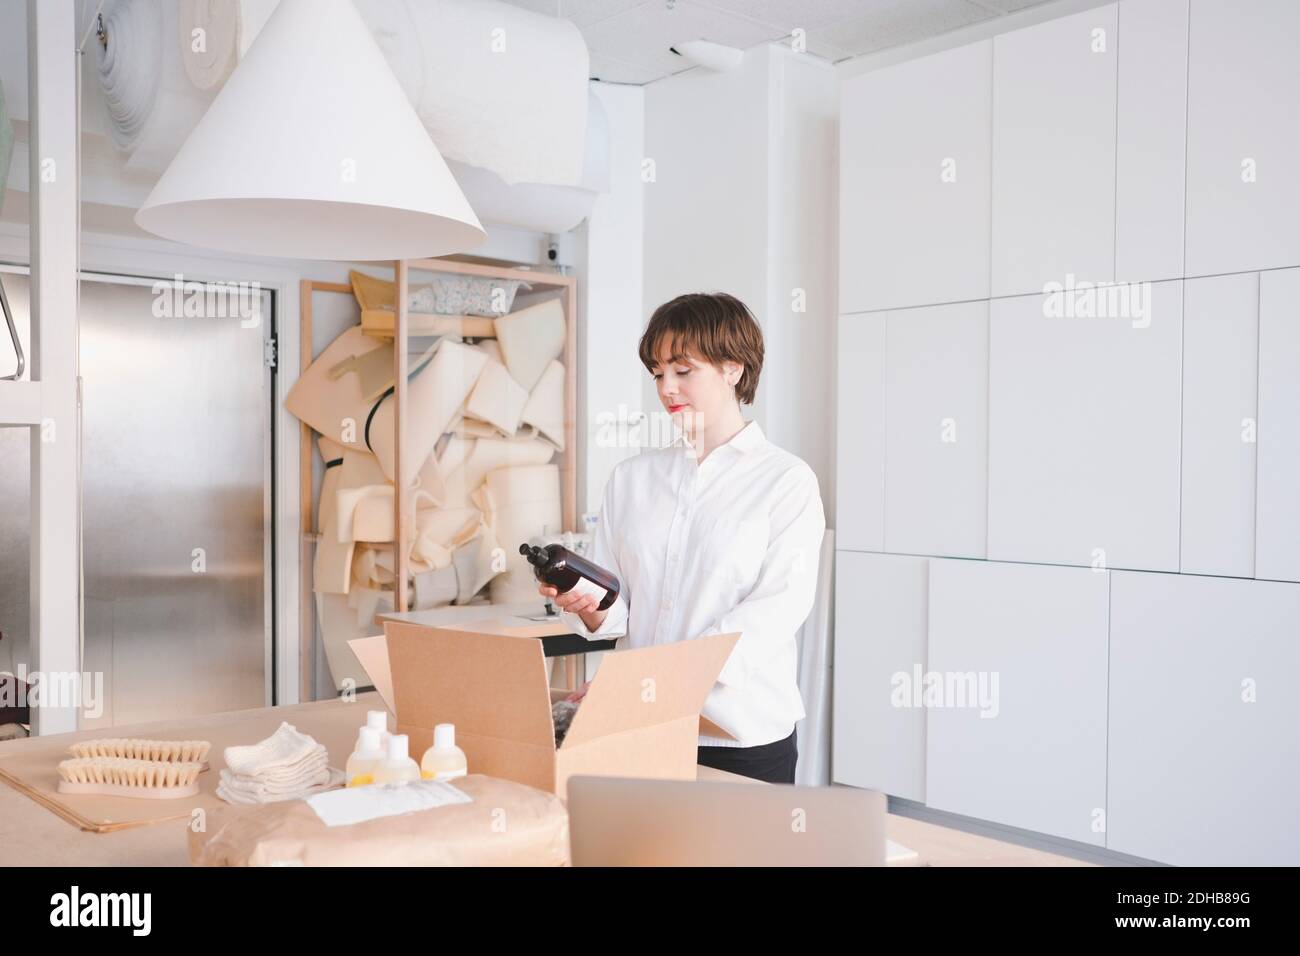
(719, 532)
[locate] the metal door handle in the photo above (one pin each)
(13, 335)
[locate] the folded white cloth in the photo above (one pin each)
(334, 778)
(309, 776)
(287, 765)
(284, 748)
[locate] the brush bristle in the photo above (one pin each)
(130, 748)
(128, 772)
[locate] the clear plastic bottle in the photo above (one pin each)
(397, 766)
(365, 759)
(444, 760)
(379, 720)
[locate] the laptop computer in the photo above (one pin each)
(620, 821)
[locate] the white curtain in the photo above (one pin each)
(814, 640)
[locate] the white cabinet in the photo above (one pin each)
(1084, 431)
(1220, 354)
(1277, 531)
(1204, 763)
(860, 433)
(914, 182)
(1018, 733)
(936, 432)
(1243, 143)
(1151, 140)
(878, 737)
(1053, 211)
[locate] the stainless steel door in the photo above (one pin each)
(175, 464)
(176, 443)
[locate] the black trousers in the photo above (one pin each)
(772, 762)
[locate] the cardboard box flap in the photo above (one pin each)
(372, 654)
(649, 685)
(489, 685)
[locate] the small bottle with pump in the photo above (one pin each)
(444, 760)
(365, 759)
(567, 571)
(397, 766)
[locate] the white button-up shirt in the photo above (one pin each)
(730, 543)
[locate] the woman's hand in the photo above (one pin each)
(578, 694)
(583, 605)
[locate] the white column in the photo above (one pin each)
(56, 558)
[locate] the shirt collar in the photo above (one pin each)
(744, 441)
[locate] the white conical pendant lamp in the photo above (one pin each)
(312, 151)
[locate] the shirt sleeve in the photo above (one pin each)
(782, 598)
(602, 553)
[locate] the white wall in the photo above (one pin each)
(743, 202)
(706, 208)
(610, 318)
(1118, 444)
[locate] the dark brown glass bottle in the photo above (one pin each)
(563, 570)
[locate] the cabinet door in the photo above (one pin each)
(1277, 529)
(1028, 644)
(1053, 210)
(879, 735)
(1204, 762)
(1084, 430)
(936, 441)
(1220, 352)
(914, 182)
(1243, 143)
(1151, 140)
(860, 433)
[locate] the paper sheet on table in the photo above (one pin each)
(343, 808)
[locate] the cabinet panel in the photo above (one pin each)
(1243, 144)
(936, 442)
(880, 613)
(1084, 431)
(914, 181)
(1204, 761)
(1032, 753)
(1277, 529)
(1220, 355)
(1053, 210)
(860, 433)
(1151, 140)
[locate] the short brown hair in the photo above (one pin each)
(712, 326)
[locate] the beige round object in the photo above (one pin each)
(208, 33)
(466, 834)
(520, 504)
(489, 454)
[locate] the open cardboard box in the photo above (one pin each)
(639, 718)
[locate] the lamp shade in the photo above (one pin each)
(312, 151)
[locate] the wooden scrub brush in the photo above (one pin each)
(125, 777)
(132, 748)
(134, 767)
